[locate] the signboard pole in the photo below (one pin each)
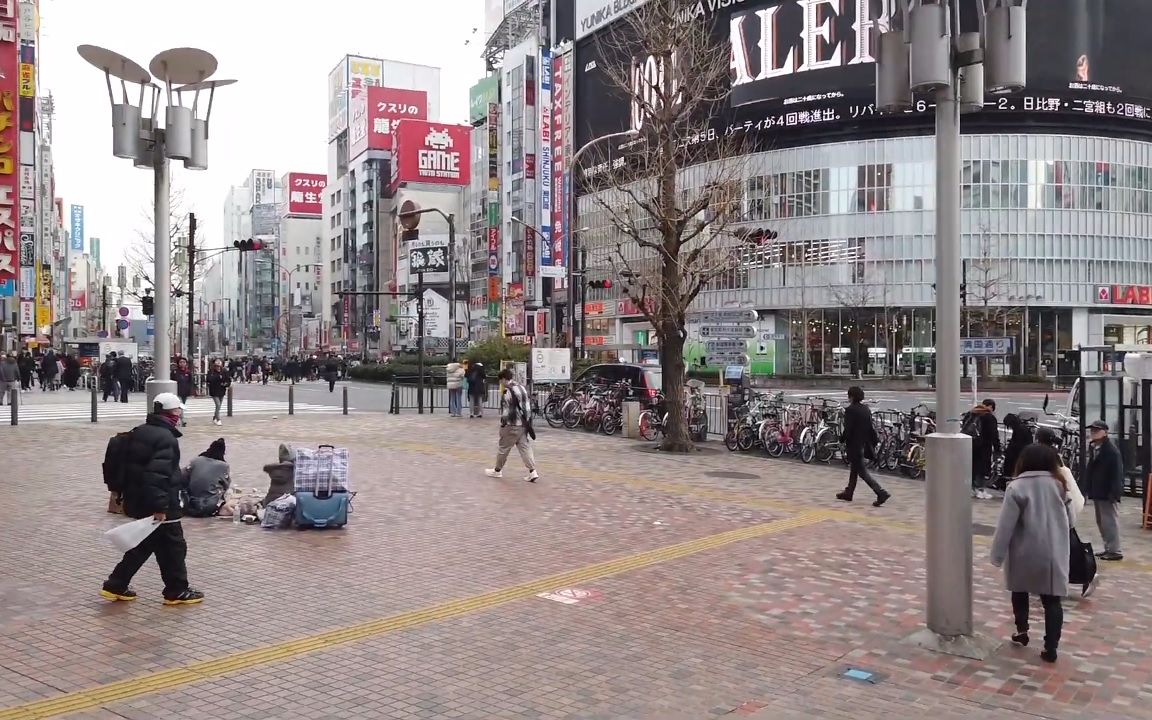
(420, 342)
(451, 288)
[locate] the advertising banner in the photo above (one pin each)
(306, 194)
(432, 153)
(263, 186)
(76, 239)
(544, 222)
(363, 73)
(552, 263)
(27, 80)
(514, 310)
(27, 282)
(9, 160)
(338, 99)
(530, 260)
(44, 296)
(78, 301)
(480, 96)
(382, 108)
(27, 317)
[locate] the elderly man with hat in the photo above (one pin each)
(1104, 484)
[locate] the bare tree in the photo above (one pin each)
(853, 300)
(672, 234)
(140, 256)
(984, 316)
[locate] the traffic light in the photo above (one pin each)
(146, 305)
(247, 245)
(757, 236)
(600, 284)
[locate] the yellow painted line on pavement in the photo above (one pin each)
(96, 697)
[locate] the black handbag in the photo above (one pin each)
(1082, 562)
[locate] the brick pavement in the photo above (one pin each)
(758, 623)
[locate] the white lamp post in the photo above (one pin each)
(137, 135)
(930, 55)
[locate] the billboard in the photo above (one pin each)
(480, 95)
(806, 66)
(375, 114)
(263, 185)
(76, 239)
(44, 296)
(432, 153)
(338, 99)
(558, 252)
(544, 222)
(9, 160)
(306, 194)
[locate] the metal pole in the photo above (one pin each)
(94, 405)
(291, 399)
(949, 452)
(451, 218)
(229, 401)
(14, 404)
(161, 381)
(191, 288)
(420, 342)
(573, 296)
(583, 301)
(345, 403)
(104, 303)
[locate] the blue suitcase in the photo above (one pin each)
(322, 509)
(327, 503)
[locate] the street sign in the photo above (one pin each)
(719, 347)
(725, 315)
(123, 312)
(121, 324)
(428, 259)
(986, 347)
(551, 364)
(726, 359)
(728, 331)
(102, 334)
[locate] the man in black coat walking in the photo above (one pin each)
(152, 483)
(124, 375)
(1104, 485)
(860, 440)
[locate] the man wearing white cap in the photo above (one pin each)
(152, 481)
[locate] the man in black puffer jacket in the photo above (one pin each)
(152, 484)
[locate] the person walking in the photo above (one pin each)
(27, 370)
(1021, 438)
(218, 381)
(981, 425)
(860, 440)
(1048, 436)
(477, 389)
(49, 371)
(152, 482)
(124, 375)
(515, 427)
(9, 378)
(1031, 543)
(331, 372)
(1104, 485)
(107, 374)
(182, 374)
(454, 379)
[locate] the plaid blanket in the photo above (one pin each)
(321, 470)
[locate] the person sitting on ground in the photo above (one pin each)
(209, 479)
(281, 475)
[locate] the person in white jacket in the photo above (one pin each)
(454, 379)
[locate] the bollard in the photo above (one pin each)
(431, 399)
(345, 399)
(291, 399)
(94, 405)
(14, 402)
(229, 401)
(394, 407)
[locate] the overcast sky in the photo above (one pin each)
(276, 117)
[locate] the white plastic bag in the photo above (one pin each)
(130, 534)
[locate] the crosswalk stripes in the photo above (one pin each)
(197, 407)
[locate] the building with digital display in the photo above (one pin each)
(1056, 189)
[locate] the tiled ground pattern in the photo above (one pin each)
(760, 628)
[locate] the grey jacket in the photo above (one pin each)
(208, 483)
(1031, 540)
(9, 371)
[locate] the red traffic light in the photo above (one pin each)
(247, 245)
(607, 284)
(600, 284)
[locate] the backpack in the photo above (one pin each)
(971, 426)
(115, 461)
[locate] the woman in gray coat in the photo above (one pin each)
(1031, 543)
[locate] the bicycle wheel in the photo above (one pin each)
(774, 447)
(553, 414)
(610, 424)
(730, 440)
(649, 426)
(572, 415)
(746, 439)
(808, 450)
(917, 460)
(826, 444)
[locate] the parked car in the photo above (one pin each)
(646, 379)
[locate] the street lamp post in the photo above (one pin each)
(137, 136)
(928, 53)
(574, 163)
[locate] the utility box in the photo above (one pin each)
(630, 418)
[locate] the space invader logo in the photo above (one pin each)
(438, 140)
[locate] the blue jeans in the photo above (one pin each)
(455, 401)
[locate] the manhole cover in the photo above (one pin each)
(733, 475)
(982, 529)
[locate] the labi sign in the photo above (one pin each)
(432, 153)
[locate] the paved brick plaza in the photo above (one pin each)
(698, 595)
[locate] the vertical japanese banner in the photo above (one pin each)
(9, 142)
(546, 164)
(559, 197)
(494, 210)
(44, 299)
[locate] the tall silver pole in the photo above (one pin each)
(949, 452)
(162, 274)
(451, 218)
